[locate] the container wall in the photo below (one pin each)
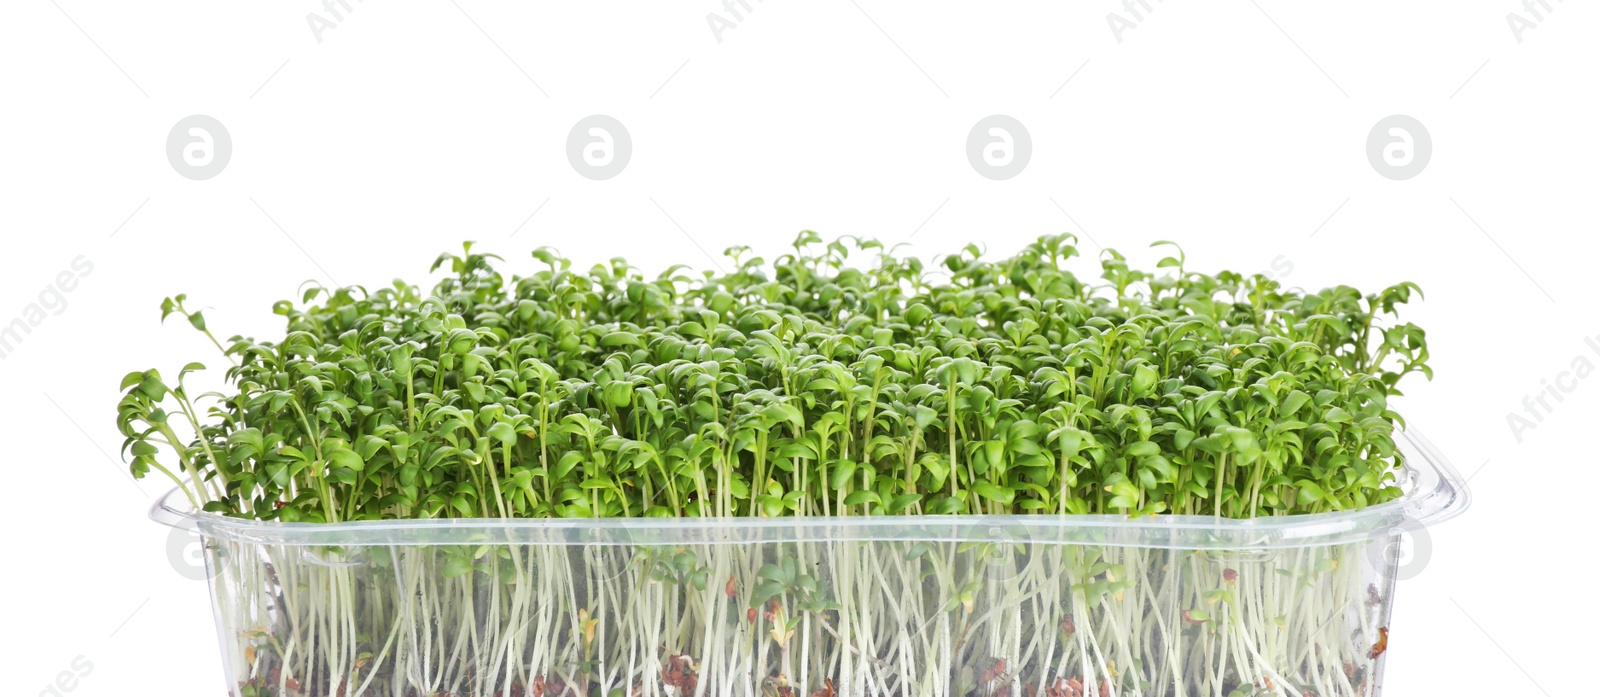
(888, 617)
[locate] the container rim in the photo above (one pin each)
(1433, 492)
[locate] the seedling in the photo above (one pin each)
(810, 387)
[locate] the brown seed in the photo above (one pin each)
(1381, 645)
(997, 668)
(1075, 688)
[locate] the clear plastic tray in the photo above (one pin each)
(1021, 606)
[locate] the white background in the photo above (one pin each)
(1237, 128)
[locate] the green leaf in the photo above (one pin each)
(1143, 379)
(504, 433)
(1181, 438)
(902, 501)
(1293, 403)
(1142, 449)
(841, 472)
(456, 566)
(856, 498)
(569, 460)
(764, 592)
(993, 492)
(620, 339)
(131, 379)
(1308, 492)
(344, 457)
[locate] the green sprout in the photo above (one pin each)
(818, 385)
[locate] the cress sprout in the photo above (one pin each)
(817, 385)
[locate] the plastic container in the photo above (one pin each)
(1021, 606)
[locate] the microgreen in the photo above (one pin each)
(817, 385)
(810, 388)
